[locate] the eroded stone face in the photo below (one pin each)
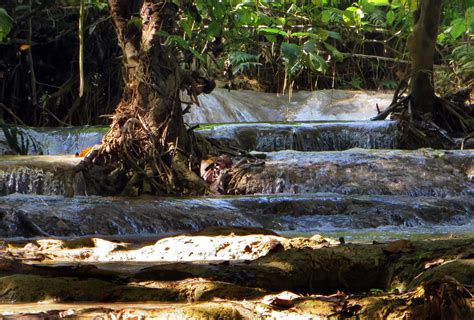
(384, 172)
(47, 175)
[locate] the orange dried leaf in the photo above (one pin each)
(83, 152)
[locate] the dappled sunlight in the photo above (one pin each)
(283, 160)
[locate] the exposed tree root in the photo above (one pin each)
(451, 124)
(148, 148)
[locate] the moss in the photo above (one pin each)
(199, 290)
(212, 311)
(31, 288)
(461, 270)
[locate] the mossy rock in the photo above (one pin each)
(461, 270)
(31, 288)
(203, 290)
(212, 311)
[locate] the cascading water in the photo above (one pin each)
(324, 105)
(315, 165)
(308, 136)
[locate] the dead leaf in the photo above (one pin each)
(398, 246)
(283, 300)
(434, 263)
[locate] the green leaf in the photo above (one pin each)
(214, 29)
(6, 24)
(390, 18)
(334, 35)
(271, 38)
(326, 16)
(180, 42)
(218, 10)
(310, 46)
(290, 53)
(379, 2)
(317, 63)
(274, 31)
(458, 27)
(353, 15)
(319, 35)
(245, 17)
(469, 17)
(336, 53)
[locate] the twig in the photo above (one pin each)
(30, 61)
(455, 113)
(389, 110)
(469, 136)
(366, 56)
(13, 114)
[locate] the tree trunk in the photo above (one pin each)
(422, 47)
(148, 149)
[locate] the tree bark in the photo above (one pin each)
(148, 145)
(421, 45)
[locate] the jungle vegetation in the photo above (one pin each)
(274, 46)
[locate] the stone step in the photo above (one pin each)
(32, 216)
(421, 172)
(251, 136)
(308, 136)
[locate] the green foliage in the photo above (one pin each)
(243, 61)
(306, 44)
(297, 39)
(6, 24)
(462, 59)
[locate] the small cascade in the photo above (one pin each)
(52, 141)
(221, 106)
(46, 175)
(414, 173)
(308, 136)
(356, 171)
(30, 216)
(264, 137)
(68, 140)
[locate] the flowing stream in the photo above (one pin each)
(323, 175)
(401, 188)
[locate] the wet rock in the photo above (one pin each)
(316, 213)
(462, 270)
(35, 288)
(14, 223)
(47, 175)
(422, 172)
(306, 271)
(32, 288)
(327, 268)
